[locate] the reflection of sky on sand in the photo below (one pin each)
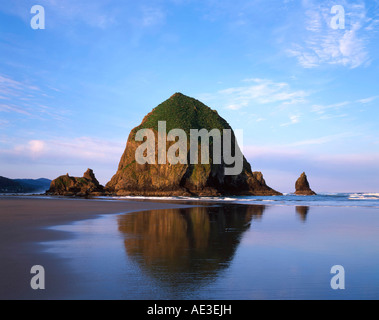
(229, 252)
(295, 258)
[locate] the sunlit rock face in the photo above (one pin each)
(76, 186)
(302, 186)
(183, 179)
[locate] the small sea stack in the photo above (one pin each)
(74, 186)
(302, 186)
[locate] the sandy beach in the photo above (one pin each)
(179, 250)
(23, 224)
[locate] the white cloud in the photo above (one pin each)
(293, 120)
(322, 108)
(262, 91)
(24, 98)
(50, 158)
(367, 100)
(274, 151)
(3, 123)
(234, 107)
(10, 108)
(10, 87)
(368, 159)
(63, 149)
(152, 16)
(292, 149)
(36, 147)
(99, 14)
(321, 140)
(260, 119)
(65, 13)
(320, 44)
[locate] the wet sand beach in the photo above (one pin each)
(24, 222)
(171, 250)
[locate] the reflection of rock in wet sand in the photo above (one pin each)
(185, 244)
(302, 212)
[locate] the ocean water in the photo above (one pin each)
(283, 249)
(323, 199)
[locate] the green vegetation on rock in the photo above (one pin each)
(182, 112)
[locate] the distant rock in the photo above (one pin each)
(9, 186)
(23, 185)
(34, 185)
(90, 176)
(302, 186)
(74, 186)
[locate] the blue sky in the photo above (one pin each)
(305, 94)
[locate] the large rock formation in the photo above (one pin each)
(182, 112)
(302, 186)
(73, 186)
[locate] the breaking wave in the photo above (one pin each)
(323, 199)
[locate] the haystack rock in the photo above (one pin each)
(183, 179)
(74, 186)
(302, 186)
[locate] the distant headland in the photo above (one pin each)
(23, 185)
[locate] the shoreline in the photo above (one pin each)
(25, 223)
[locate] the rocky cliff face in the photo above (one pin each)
(73, 186)
(302, 186)
(182, 112)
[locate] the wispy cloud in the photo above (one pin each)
(293, 120)
(82, 148)
(10, 87)
(152, 16)
(55, 156)
(3, 123)
(322, 140)
(368, 100)
(318, 43)
(259, 91)
(295, 148)
(322, 109)
(99, 14)
(96, 14)
(24, 98)
(10, 108)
